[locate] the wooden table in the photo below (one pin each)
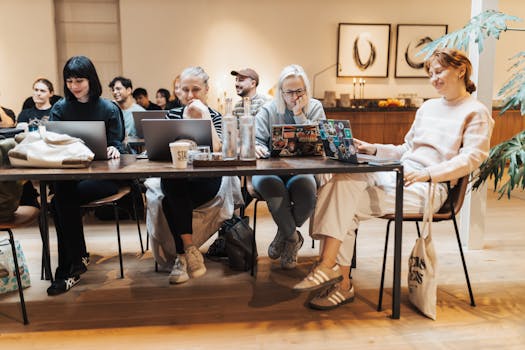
(128, 167)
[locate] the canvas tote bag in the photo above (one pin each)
(8, 282)
(422, 264)
(50, 150)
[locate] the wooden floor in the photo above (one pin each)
(226, 309)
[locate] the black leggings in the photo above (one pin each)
(69, 196)
(181, 197)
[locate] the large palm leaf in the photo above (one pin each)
(511, 152)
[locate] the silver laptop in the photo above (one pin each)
(93, 133)
(138, 116)
(159, 133)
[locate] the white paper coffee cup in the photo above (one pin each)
(179, 154)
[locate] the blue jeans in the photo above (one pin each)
(290, 199)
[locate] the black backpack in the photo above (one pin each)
(239, 239)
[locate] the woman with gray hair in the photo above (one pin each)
(183, 195)
(290, 199)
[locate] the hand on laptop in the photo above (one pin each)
(365, 147)
(113, 153)
(261, 151)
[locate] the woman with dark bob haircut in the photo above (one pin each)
(82, 90)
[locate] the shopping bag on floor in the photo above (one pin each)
(7, 267)
(422, 264)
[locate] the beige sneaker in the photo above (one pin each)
(195, 262)
(332, 297)
(318, 277)
(179, 272)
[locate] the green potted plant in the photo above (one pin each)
(492, 23)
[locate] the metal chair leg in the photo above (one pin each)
(18, 278)
(133, 199)
(254, 261)
(471, 294)
(380, 301)
(115, 209)
(418, 231)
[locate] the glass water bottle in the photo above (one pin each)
(229, 132)
(247, 131)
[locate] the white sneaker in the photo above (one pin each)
(179, 272)
(195, 261)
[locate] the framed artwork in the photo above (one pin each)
(363, 50)
(411, 38)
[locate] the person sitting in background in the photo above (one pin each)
(121, 89)
(82, 90)
(290, 199)
(246, 82)
(449, 138)
(141, 96)
(30, 103)
(162, 98)
(183, 195)
(177, 95)
(42, 92)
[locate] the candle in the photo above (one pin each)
(354, 81)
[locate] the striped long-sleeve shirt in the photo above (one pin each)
(216, 117)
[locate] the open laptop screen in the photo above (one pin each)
(159, 133)
(138, 116)
(93, 133)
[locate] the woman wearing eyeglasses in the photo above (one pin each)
(290, 199)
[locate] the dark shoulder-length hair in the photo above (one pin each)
(82, 67)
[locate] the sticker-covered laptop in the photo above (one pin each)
(337, 139)
(338, 143)
(295, 140)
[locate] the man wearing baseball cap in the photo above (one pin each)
(246, 82)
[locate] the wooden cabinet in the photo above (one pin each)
(391, 126)
(377, 126)
(506, 126)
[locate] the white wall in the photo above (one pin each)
(161, 37)
(27, 48)
(266, 35)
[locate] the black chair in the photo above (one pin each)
(112, 201)
(448, 211)
(23, 216)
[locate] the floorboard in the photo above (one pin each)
(225, 308)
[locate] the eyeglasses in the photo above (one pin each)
(298, 92)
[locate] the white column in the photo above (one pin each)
(472, 215)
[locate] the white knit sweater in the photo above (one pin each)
(448, 138)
